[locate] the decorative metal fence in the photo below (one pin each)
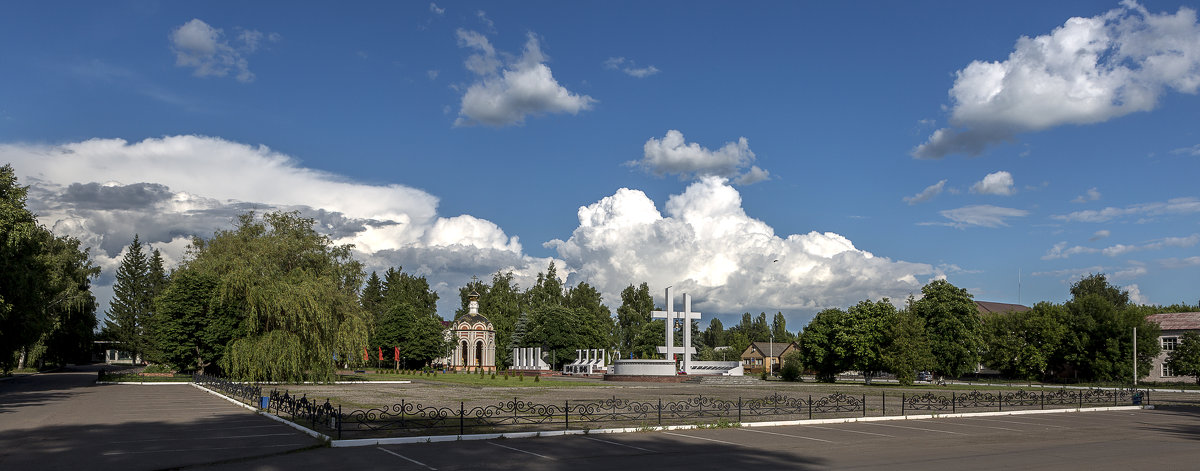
(408, 418)
(415, 419)
(930, 402)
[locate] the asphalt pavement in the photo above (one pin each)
(63, 420)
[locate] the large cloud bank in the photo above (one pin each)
(728, 261)
(167, 190)
(1086, 71)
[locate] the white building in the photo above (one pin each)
(1173, 326)
(474, 340)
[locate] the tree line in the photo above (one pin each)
(1087, 338)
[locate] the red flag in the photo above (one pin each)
(397, 353)
(366, 354)
(380, 353)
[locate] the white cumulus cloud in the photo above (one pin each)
(675, 156)
(629, 67)
(997, 183)
(1186, 205)
(505, 95)
(202, 47)
(1088, 70)
(1092, 194)
(984, 215)
(705, 244)
(927, 194)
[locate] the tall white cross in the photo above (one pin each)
(670, 315)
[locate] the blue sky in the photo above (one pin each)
(788, 156)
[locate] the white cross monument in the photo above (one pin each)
(670, 314)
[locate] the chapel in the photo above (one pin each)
(474, 340)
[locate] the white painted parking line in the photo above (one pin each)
(520, 450)
(179, 450)
(204, 438)
(617, 443)
(390, 452)
(913, 428)
(702, 438)
(785, 435)
(851, 431)
(980, 426)
(1015, 422)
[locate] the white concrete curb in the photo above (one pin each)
(845, 420)
(313, 433)
(145, 383)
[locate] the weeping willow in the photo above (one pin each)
(296, 294)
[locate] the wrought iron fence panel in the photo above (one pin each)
(514, 412)
(928, 402)
(976, 399)
(1106, 396)
(1021, 398)
(839, 403)
(403, 416)
(698, 407)
(1062, 397)
(776, 404)
(614, 410)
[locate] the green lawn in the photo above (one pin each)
(469, 380)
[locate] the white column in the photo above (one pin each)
(669, 320)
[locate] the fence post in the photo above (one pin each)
(810, 407)
(953, 402)
(567, 415)
(883, 399)
(1081, 400)
(1043, 399)
(461, 418)
(864, 404)
(339, 421)
(1001, 401)
(903, 402)
(1147, 397)
(739, 409)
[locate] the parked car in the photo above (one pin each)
(925, 376)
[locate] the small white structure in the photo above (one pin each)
(474, 340)
(592, 361)
(529, 359)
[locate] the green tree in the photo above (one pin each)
(779, 329)
(637, 333)
(821, 350)
(371, 297)
(597, 324)
(1185, 359)
(409, 319)
(130, 309)
(793, 365)
(295, 292)
(952, 321)
(907, 349)
(1097, 284)
(548, 290)
(862, 336)
(1098, 343)
(554, 328)
(714, 334)
(1022, 344)
(193, 328)
(68, 302)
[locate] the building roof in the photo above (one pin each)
(986, 307)
(1176, 320)
(473, 318)
(768, 348)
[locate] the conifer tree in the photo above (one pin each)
(129, 309)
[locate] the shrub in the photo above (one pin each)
(791, 367)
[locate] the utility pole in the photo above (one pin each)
(1135, 357)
